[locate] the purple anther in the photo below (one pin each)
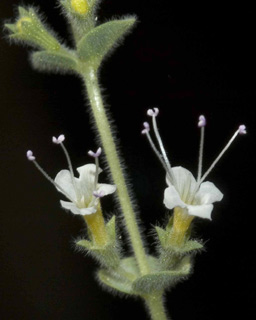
(95, 154)
(153, 112)
(30, 155)
(201, 121)
(98, 194)
(242, 129)
(58, 140)
(146, 128)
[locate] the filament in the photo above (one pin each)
(164, 155)
(159, 156)
(51, 180)
(96, 173)
(69, 166)
(219, 156)
(201, 148)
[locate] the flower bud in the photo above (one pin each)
(30, 29)
(80, 6)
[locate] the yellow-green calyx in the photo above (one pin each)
(96, 225)
(181, 224)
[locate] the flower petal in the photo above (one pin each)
(202, 211)
(86, 180)
(184, 183)
(70, 206)
(88, 211)
(64, 180)
(74, 209)
(208, 193)
(172, 198)
(106, 188)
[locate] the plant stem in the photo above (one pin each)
(156, 307)
(104, 129)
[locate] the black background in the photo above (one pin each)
(186, 59)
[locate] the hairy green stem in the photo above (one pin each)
(104, 129)
(156, 307)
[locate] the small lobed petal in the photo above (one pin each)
(75, 210)
(208, 193)
(106, 189)
(86, 180)
(172, 198)
(88, 211)
(201, 211)
(98, 194)
(185, 182)
(70, 206)
(64, 180)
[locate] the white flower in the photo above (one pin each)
(186, 194)
(83, 191)
(195, 197)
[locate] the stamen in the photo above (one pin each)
(32, 158)
(241, 130)
(201, 125)
(146, 128)
(96, 155)
(154, 114)
(98, 194)
(158, 154)
(59, 141)
(201, 121)
(30, 155)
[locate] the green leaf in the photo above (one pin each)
(94, 46)
(157, 281)
(121, 278)
(161, 280)
(115, 282)
(53, 61)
